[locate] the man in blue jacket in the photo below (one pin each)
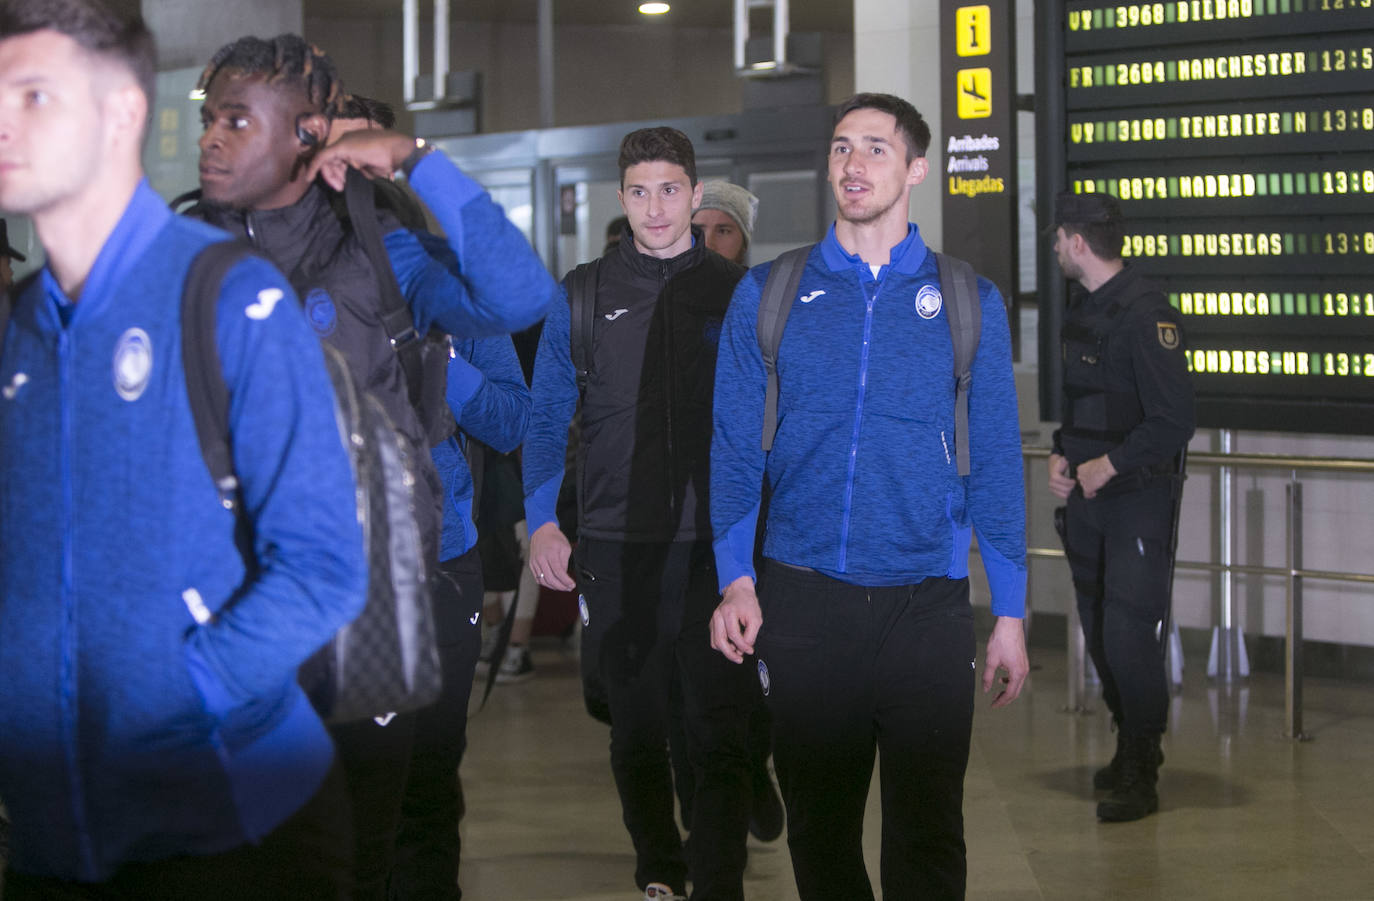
(152, 734)
(861, 625)
(267, 115)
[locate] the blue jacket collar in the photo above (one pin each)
(138, 227)
(906, 257)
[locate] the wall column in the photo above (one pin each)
(897, 51)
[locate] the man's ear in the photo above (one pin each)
(917, 171)
(312, 130)
(127, 110)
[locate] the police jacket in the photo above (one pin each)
(646, 413)
(1127, 392)
(148, 697)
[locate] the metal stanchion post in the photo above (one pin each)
(1292, 671)
(1227, 658)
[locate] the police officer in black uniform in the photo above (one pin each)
(1128, 415)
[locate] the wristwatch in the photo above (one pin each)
(422, 149)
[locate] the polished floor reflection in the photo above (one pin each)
(1245, 812)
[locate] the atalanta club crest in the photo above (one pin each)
(928, 302)
(133, 363)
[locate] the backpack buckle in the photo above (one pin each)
(405, 339)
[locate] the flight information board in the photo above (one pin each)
(1238, 136)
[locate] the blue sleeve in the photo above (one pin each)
(555, 401)
(296, 488)
(996, 482)
(487, 393)
(499, 285)
(737, 457)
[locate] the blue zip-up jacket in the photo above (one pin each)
(865, 487)
(148, 697)
(499, 286)
(487, 393)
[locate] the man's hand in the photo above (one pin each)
(549, 553)
(1095, 473)
(375, 152)
(1061, 483)
(737, 619)
(1006, 651)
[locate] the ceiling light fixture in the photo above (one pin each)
(654, 9)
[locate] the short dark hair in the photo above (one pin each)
(910, 123)
(114, 30)
(356, 106)
(1104, 238)
(615, 227)
(286, 59)
(1097, 217)
(660, 144)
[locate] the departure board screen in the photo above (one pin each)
(1238, 136)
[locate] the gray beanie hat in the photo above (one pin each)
(733, 201)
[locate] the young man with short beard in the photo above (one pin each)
(644, 561)
(153, 739)
(861, 623)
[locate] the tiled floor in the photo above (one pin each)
(1246, 813)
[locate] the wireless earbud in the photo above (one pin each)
(303, 135)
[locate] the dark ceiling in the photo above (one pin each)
(806, 15)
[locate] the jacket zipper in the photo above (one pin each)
(68, 674)
(858, 419)
(670, 365)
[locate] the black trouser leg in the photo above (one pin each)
(428, 845)
(1118, 549)
(717, 698)
(632, 635)
(375, 759)
(925, 681)
(816, 681)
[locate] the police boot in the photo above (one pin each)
(1134, 795)
(1105, 779)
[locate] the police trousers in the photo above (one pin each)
(1119, 551)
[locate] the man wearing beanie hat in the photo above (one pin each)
(1128, 413)
(727, 215)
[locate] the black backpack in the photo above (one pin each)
(957, 278)
(387, 659)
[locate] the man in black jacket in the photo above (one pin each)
(1128, 412)
(267, 115)
(638, 346)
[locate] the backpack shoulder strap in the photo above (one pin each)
(959, 285)
(779, 292)
(581, 317)
(361, 199)
(205, 388)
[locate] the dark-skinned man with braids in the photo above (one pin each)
(267, 113)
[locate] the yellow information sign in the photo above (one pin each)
(974, 93)
(973, 30)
